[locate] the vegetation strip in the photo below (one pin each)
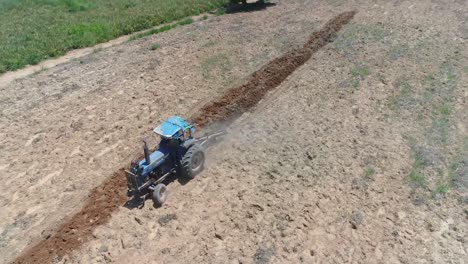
(32, 31)
(111, 194)
(186, 21)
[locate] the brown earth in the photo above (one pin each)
(238, 100)
(97, 210)
(107, 197)
(358, 156)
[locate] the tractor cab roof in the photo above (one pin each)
(172, 126)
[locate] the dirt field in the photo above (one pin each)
(359, 155)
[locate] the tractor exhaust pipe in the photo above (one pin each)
(147, 154)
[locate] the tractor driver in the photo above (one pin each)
(172, 144)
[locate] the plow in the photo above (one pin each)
(179, 153)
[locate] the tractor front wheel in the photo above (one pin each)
(193, 161)
(160, 194)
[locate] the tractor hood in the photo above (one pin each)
(156, 158)
(171, 126)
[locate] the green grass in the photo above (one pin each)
(399, 51)
(217, 62)
(357, 35)
(75, 5)
(358, 74)
(439, 94)
(34, 30)
(164, 28)
(433, 144)
(369, 172)
(186, 21)
(439, 132)
(446, 180)
(153, 31)
(442, 188)
(220, 12)
(405, 98)
(445, 110)
(217, 67)
(415, 176)
(155, 46)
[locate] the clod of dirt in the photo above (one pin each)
(110, 195)
(218, 236)
(359, 184)
(103, 249)
(263, 255)
(165, 219)
(418, 199)
(462, 201)
(138, 220)
(356, 219)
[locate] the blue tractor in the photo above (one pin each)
(179, 153)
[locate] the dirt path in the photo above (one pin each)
(7, 78)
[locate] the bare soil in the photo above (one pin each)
(78, 229)
(324, 168)
(238, 100)
(106, 198)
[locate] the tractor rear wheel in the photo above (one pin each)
(160, 194)
(193, 161)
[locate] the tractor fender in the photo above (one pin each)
(188, 143)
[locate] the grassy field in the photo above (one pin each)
(34, 30)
